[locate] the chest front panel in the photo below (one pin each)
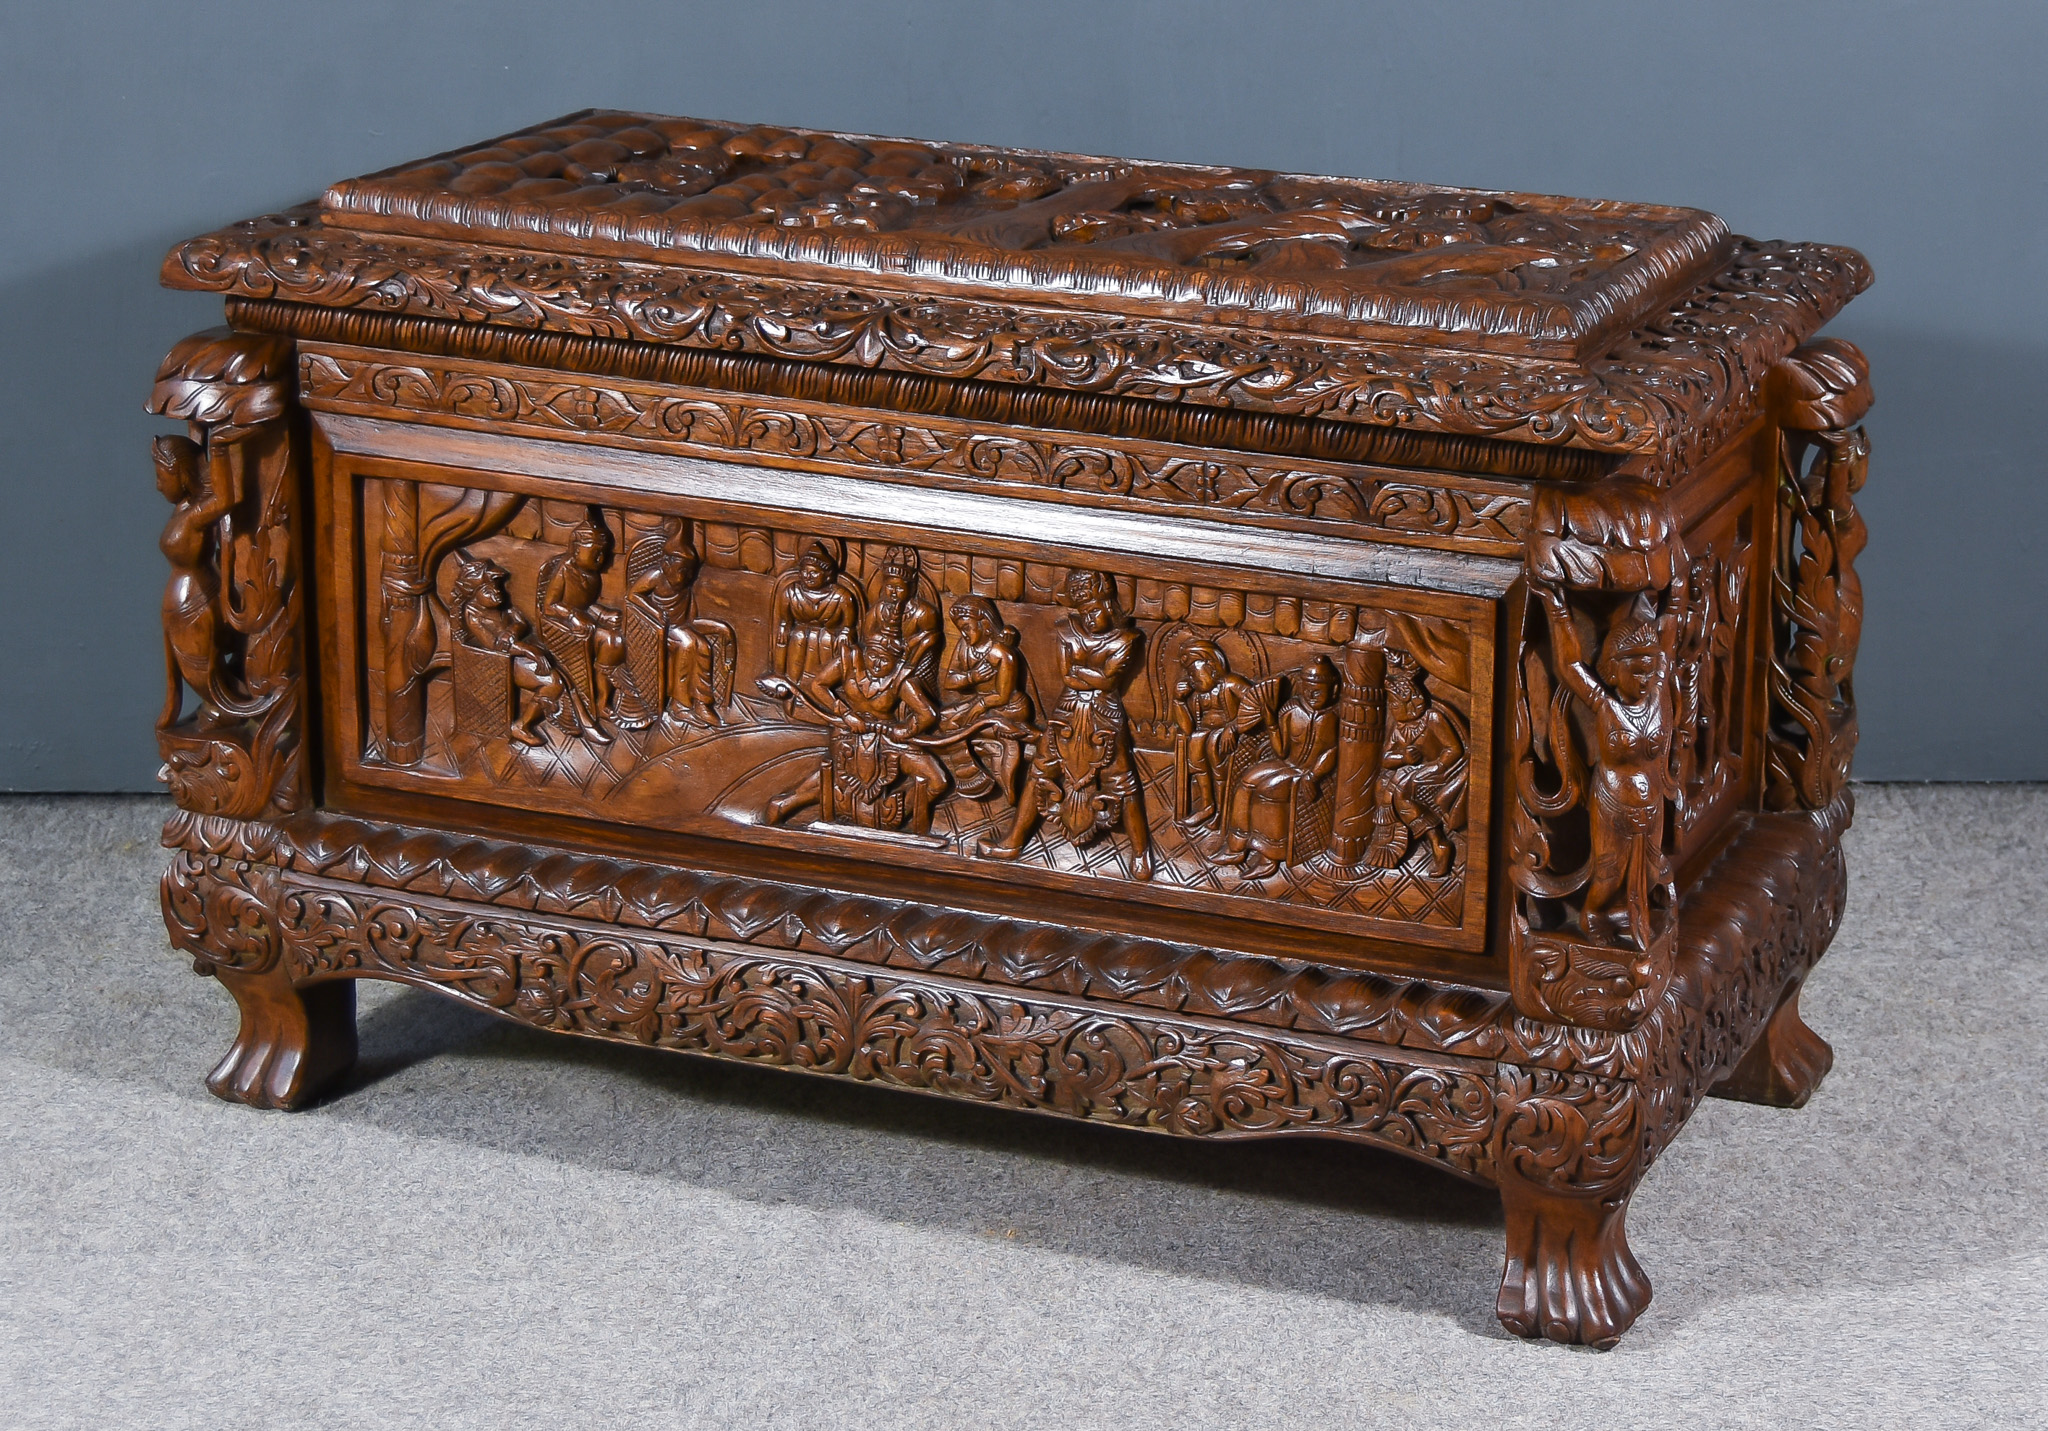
(1269, 728)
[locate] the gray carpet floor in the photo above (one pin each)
(492, 1227)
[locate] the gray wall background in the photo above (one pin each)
(1912, 131)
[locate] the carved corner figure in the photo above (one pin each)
(1592, 940)
(1218, 713)
(1082, 769)
(1419, 791)
(1816, 596)
(231, 607)
(1279, 809)
(678, 659)
(584, 635)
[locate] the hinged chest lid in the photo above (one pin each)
(1622, 328)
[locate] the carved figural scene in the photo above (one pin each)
(1045, 719)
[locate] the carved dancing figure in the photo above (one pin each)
(1216, 709)
(1419, 793)
(898, 604)
(486, 620)
(697, 654)
(1082, 768)
(1630, 700)
(192, 596)
(584, 635)
(1267, 805)
(817, 611)
(986, 676)
(874, 774)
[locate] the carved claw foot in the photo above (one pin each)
(1784, 1065)
(294, 1041)
(1570, 1275)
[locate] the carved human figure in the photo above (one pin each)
(192, 618)
(986, 681)
(1630, 701)
(1419, 793)
(698, 652)
(1267, 802)
(580, 631)
(1082, 768)
(900, 606)
(486, 620)
(1215, 709)
(817, 611)
(875, 774)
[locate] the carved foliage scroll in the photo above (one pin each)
(231, 609)
(1822, 391)
(1590, 834)
(1429, 507)
(931, 1034)
(1671, 390)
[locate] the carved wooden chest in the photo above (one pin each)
(1220, 652)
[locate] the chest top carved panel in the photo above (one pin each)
(1292, 251)
(1638, 331)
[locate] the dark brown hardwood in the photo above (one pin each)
(1227, 653)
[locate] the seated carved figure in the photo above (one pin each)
(1269, 802)
(875, 774)
(898, 603)
(684, 662)
(1419, 794)
(486, 620)
(583, 634)
(986, 676)
(1216, 709)
(817, 615)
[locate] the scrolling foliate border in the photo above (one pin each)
(793, 919)
(1465, 513)
(1667, 393)
(1760, 917)
(873, 1025)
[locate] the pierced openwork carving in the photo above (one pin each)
(231, 609)
(1053, 720)
(1592, 737)
(1816, 597)
(1711, 669)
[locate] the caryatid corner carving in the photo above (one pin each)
(1591, 819)
(231, 608)
(1820, 394)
